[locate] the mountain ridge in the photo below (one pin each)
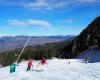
(13, 42)
(89, 38)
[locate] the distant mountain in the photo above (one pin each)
(47, 50)
(89, 38)
(13, 42)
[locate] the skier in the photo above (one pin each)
(29, 65)
(42, 63)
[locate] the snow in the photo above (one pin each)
(57, 69)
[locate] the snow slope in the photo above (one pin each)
(56, 70)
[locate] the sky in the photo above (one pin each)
(46, 17)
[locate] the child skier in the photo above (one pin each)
(29, 65)
(42, 63)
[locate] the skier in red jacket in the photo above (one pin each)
(29, 65)
(42, 63)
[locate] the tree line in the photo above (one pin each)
(32, 52)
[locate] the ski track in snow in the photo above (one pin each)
(56, 70)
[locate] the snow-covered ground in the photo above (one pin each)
(56, 70)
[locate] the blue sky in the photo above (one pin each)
(46, 17)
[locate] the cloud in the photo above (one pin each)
(57, 4)
(17, 23)
(2, 35)
(48, 4)
(39, 4)
(28, 23)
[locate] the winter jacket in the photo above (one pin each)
(43, 62)
(30, 63)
